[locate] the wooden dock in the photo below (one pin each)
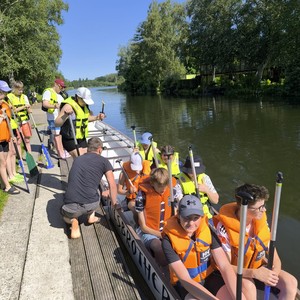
(100, 265)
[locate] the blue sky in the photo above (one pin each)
(94, 30)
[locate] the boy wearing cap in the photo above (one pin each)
(257, 239)
(167, 152)
(51, 103)
(154, 208)
(206, 189)
(189, 246)
(145, 147)
(5, 138)
(136, 169)
(78, 108)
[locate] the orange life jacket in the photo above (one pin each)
(255, 247)
(134, 177)
(157, 207)
(195, 254)
(4, 130)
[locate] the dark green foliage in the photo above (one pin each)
(29, 41)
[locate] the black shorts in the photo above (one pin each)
(213, 283)
(4, 146)
(69, 144)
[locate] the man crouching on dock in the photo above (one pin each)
(82, 195)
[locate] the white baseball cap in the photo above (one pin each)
(4, 86)
(136, 161)
(85, 94)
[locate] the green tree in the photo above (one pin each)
(29, 41)
(153, 55)
(212, 33)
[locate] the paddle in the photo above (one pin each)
(194, 170)
(17, 151)
(276, 205)
(74, 134)
(245, 197)
(134, 136)
(103, 104)
(154, 151)
(196, 182)
(119, 161)
(170, 182)
(44, 150)
(32, 167)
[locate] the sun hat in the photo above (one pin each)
(146, 138)
(60, 82)
(85, 94)
(190, 205)
(199, 166)
(136, 161)
(4, 86)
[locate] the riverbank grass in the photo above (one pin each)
(3, 200)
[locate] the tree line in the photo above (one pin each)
(243, 45)
(29, 41)
(238, 44)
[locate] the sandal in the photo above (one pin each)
(12, 191)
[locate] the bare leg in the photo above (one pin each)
(288, 286)
(81, 152)
(58, 145)
(28, 145)
(3, 173)
(159, 255)
(11, 161)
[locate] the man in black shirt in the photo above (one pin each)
(82, 195)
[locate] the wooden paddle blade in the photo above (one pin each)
(32, 167)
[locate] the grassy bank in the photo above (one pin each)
(3, 200)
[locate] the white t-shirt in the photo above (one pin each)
(47, 97)
(207, 181)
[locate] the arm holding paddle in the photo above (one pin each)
(63, 115)
(254, 266)
(100, 116)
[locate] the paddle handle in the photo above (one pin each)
(194, 170)
(125, 173)
(245, 197)
(134, 135)
(171, 185)
(35, 127)
(74, 134)
(154, 151)
(103, 105)
(272, 246)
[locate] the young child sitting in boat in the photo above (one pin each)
(153, 209)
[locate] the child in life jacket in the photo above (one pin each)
(206, 189)
(189, 246)
(154, 208)
(133, 172)
(257, 238)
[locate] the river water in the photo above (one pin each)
(239, 140)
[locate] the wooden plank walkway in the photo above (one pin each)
(100, 265)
